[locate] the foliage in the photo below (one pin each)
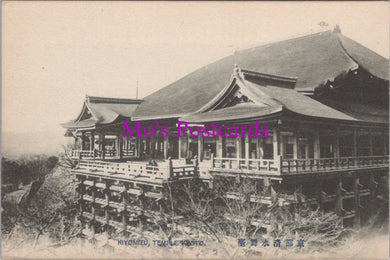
(26, 169)
(66, 159)
(51, 211)
(221, 213)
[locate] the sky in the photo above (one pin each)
(54, 53)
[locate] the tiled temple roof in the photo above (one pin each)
(101, 110)
(313, 60)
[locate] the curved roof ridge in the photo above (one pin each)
(352, 51)
(285, 39)
(269, 75)
(95, 99)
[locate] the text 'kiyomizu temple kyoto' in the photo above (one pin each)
(323, 96)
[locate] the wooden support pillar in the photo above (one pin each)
(101, 146)
(295, 147)
(196, 166)
(92, 141)
(166, 144)
(220, 147)
(238, 147)
(316, 147)
(266, 185)
(276, 142)
(356, 190)
(370, 145)
(259, 146)
(336, 146)
(81, 193)
(373, 189)
(339, 198)
(120, 144)
(354, 143)
(247, 143)
(170, 168)
(140, 146)
(106, 212)
(385, 141)
(200, 147)
(124, 202)
(282, 140)
(152, 146)
(82, 140)
(93, 190)
(319, 194)
(180, 144)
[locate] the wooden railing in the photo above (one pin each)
(128, 153)
(82, 154)
(87, 154)
(125, 169)
(280, 166)
(292, 166)
(248, 165)
(109, 153)
(138, 169)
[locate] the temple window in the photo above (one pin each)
(288, 149)
(377, 143)
(253, 151)
(326, 146)
(268, 148)
(209, 147)
(346, 144)
(363, 143)
(231, 147)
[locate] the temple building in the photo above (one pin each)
(323, 96)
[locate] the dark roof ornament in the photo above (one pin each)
(337, 29)
(323, 24)
(237, 72)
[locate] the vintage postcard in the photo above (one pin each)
(194, 130)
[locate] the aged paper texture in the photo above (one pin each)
(210, 130)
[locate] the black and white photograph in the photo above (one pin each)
(194, 130)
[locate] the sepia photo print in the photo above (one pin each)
(195, 130)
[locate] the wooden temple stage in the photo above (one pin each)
(327, 146)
